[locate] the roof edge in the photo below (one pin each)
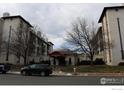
(19, 17)
(104, 10)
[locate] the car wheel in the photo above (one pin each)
(4, 72)
(47, 74)
(24, 73)
(42, 73)
(30, 74)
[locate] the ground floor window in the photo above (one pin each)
(69, 61)
(78, 60)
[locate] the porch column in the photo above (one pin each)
(57, 62)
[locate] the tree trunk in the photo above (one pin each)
(25, 58)
(91, 59)
(18, 59)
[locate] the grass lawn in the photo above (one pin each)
(92, 69)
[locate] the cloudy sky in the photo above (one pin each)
(54, 19)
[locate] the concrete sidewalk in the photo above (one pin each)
(55, 73)
(100, 74)
(60, 73)
(13, 72)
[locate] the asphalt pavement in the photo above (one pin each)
(17, 79)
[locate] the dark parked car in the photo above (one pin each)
(37, 69)
(4, 68)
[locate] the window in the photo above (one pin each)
(69, 61)
(32, 66)
(78, 60)
(37, 51)
(39, 66)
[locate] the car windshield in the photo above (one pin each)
(1, 65)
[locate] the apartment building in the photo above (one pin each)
(0, 34)
(11, 24)
(98, 44)
(111, 35)
(41, 49)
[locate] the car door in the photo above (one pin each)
(39, 68)
(33, 69)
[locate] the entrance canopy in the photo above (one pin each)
(61, 53)
(57, 54)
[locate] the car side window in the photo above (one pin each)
(39, 66)
(33, 66)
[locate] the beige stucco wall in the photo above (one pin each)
(112, 54)
(15, 25)
(112, 16)
(6, 28)
(105, 38)
(1, 32)
(76, 58)
(73, 59)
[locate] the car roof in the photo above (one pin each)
(39, 64)
(1, 65)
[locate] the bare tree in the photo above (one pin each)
(21, 43)
(0, 35)
(41, 40)
(81, 36)
(36, 28)
(0, 40)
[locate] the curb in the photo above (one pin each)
(13, 72)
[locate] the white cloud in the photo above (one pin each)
(54, 19)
